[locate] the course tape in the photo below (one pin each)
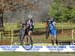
(38, 48)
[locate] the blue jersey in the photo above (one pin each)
(52, 29)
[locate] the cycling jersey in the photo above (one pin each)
(30, 25)
(52, 28)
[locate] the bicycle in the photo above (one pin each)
(26, 40)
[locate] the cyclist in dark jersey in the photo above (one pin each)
(30, 26)
(26, 29)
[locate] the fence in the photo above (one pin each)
(10, 34)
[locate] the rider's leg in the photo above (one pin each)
(29, 34)
(55, 39)
(52, 40)
(52, 37)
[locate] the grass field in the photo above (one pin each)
(39, 25)
(58, 25)
(35, 54)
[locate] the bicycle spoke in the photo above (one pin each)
(28, 43)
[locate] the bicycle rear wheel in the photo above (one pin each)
(27, 43)
(47, 33)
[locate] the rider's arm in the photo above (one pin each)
(54, 23)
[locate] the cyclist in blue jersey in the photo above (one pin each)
(53, 31)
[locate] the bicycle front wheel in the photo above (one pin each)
(27, 43)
